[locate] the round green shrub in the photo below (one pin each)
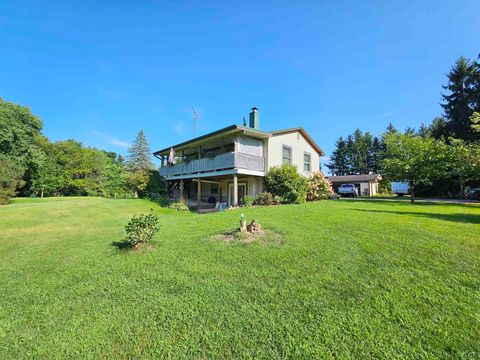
(285, 181)
(141, 228)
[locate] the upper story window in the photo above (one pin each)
(287, 155)
(307, 162)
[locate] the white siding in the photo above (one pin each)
(299, 146)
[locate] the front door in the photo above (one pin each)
(242, 191)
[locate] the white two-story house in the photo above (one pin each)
(227, 164)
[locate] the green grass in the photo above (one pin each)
(351, 279)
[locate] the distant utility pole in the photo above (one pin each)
(195, 117)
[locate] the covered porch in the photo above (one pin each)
(208, 193)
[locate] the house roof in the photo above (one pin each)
(355, 178)
(305, 135)
(234, 129)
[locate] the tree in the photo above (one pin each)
(48, 180)
(464, 162)
(114, 179)
(390, 129)
(358, 152)
(459, 101)
(139, 165)
(475, 122)
(338, 161)
(438, 129)
(10, 178)
(414, 159)
(20, 135)
(139, 154)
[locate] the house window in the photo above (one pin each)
(214, 189)
(287, 155)
(307, 162)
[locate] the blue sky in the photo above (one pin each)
(98, 71)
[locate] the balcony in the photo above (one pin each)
(225, 161)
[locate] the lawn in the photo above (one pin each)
(362, 279)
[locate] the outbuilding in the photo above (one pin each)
(367, 185)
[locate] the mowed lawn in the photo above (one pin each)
(343, 279)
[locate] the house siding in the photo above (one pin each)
(299, 146)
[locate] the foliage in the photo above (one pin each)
(139, 154)
(475, 121)
(462, 99)
(141, 229)
(319, 187)
(114, 180)
(20, 138)
(179, 206)
(264, 198)
(248, 200)
(10, 178)
(463, 162)
(162, 200)
(285, 181)
(414, 159)
(360, 153)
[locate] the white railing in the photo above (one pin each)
(225, 161)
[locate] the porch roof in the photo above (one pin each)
(229, 130)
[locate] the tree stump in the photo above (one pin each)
(253, 227)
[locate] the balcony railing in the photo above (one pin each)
(224, 161)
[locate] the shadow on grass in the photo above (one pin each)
(122, 245)
(418, 202)
(460, 218)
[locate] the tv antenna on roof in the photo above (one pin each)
(195, 117)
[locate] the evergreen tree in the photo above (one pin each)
(338, 160)
(139, 154)
(390, 129)
(438, 128)
(375, 155)
(459, 101)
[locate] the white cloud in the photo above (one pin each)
(112, 140)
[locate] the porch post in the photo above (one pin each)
(199, 193)
(235, 190)
(181, 190)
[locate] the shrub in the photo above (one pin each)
(179, 206)
(161, 200)
(140, 229)
(248, 200)
(264, 198)
(318, 187)
(285, 181)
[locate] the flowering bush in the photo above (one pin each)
(264, 198)
(319, 187)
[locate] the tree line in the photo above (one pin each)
(436, 159)
(32, 165)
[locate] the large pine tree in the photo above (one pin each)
(459, 101)
(338, 161)
(139, 154)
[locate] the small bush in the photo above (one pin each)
(248, 200)
(318, 187)
(285, 181)
(140, 229)
(161, 200)
(179, 206)
(264, 198)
